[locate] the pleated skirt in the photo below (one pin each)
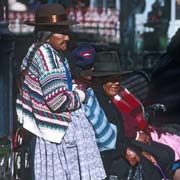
(76, 158)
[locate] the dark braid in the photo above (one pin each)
(41, 38)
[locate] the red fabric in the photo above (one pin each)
(132, 112)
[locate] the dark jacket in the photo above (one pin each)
(114, 116)
(163, 154)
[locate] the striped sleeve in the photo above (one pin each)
(106, 132)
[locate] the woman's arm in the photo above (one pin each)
(53, 81)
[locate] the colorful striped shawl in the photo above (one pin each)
(44, 103)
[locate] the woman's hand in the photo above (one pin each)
(80, 92)
(132, 157)
(143, 137)
(149, 157)
(81, 87)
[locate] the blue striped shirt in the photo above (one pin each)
(106, 132)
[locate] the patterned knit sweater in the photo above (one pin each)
(44, 103)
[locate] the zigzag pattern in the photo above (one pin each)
(45, 98)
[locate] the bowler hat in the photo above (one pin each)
(51, 15)
(107, 63)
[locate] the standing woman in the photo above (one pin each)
(63, 144)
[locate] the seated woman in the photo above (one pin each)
(126, 151)
(132, 112)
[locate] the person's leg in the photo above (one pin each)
(149, 170)
(120, 168)
(107, 161)
(163, 154)
(165, 157)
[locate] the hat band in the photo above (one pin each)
(51, 19)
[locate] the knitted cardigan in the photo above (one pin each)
(44, 103)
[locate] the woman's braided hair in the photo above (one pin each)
(41, 38)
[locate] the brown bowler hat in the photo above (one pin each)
(51, 15)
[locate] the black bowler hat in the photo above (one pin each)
(107, 63)
(51, 15)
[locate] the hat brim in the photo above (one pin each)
(63, 23)
(99, 74)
